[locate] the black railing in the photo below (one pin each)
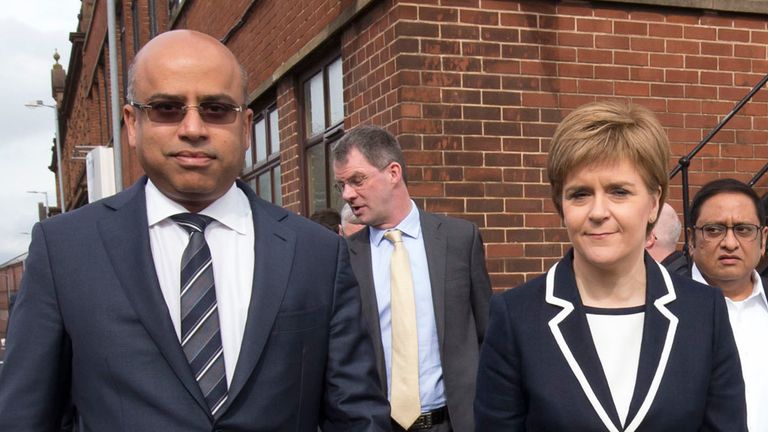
(757, 176)
(685, 161)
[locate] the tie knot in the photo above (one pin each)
(394, 236)
(192, 222)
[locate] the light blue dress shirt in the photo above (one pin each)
(431, 388)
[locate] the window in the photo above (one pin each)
(262, 159)
(323, 107)
(136, 27)
(152, 19)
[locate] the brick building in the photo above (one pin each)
(10, 279)
(473, 89)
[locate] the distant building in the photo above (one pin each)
(10, 278)
(473, 89)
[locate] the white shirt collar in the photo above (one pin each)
(758, 291)
(228, 210)
(409, 226)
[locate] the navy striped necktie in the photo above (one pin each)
(200, 334)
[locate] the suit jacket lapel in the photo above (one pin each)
(360, 259)
(126, 239)
(571, 332)
(658, 337)
(435, 245)
(274, 252)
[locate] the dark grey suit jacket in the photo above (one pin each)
(461, 293)
(91, 321)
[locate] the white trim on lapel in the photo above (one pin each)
(660, 304)
(567, 306)
(572, 363)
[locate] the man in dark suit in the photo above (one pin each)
(186, 303)
(427, 346)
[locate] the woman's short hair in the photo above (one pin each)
(607, 132)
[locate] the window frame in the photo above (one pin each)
(329, 136)
(271, 163)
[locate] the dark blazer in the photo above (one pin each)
(91, 320)
(677, 262)
(461, 290)
(539, 369)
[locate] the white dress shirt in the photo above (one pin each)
(749, 320)
(231, 238)
(431, 387)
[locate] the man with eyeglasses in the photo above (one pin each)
(728, 238)
(186, 303)
(424, 286)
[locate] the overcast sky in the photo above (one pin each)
(30, 32)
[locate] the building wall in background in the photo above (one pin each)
(10, 280)
(473, 90)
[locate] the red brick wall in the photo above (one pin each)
(10, 279)
(274, 30)
(290, 154)
(474, 90)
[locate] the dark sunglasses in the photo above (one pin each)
(174, 112)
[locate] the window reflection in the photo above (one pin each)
(260, 136)
(336, 92)
(317, 178)
(316, 110)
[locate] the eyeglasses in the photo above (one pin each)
(174, 112)
(716, 232)
(355, 182)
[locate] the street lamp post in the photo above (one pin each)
(38, 104)
(45, 194)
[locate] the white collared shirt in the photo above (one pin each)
(431, 388)
(230, 238)
(749, 320)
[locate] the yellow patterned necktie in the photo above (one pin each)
(404, 389)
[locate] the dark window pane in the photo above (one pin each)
(317, 177)
(265, 186)
(135, 19)
(276, 184)
(152, 19)
(335, 198)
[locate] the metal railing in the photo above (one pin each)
(684, 163)
(757, 176)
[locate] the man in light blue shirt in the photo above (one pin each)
(451, 287)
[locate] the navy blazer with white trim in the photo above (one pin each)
(539, 369)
